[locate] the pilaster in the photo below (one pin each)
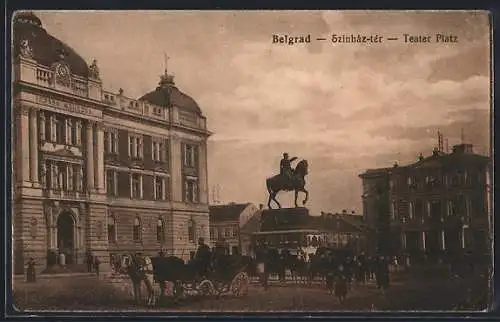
(33, 139)
(22, 144)
(176, 168)
(203, 180)
(90, 155)
(99, 166)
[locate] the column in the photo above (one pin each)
(99, 175)
(34, 147)
(23, 146)
(202, 168)
(90, 156)
(443, 241)
(423, 240)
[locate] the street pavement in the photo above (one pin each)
(405, 293)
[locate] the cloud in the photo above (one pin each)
(343, 107)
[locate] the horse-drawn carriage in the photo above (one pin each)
(224, 274)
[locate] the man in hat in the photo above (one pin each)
(202, 258)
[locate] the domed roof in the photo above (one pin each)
(167, 94)
(46, 49)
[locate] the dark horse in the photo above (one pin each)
(279, 182)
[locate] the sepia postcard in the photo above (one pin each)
(251, 161)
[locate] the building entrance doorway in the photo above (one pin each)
(66, 236)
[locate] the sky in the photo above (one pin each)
(343, 107)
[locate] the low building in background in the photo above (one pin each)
(226, 222)
(296, 230)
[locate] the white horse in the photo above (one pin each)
(140, 269)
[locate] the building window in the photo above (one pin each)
(212, 233)
(159, 188)
(111, 142)
(158, 151)
(227, 232)
(450, 208)
(419, 208)
(191, 230)
(135, 147)
(190, 155)
(160, 230)
(60, 129)
(41, 126)
(394, 210)
(112, 182)
(435, 210)
(191, 190)
(411, 210)
(137, 229)
(235, 231)
(136, 186)
(112, 229)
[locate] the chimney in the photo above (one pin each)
(344, 211)
(396, 164)
(420, 157)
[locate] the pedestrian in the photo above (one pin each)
(97, 262)
(341, 285)
(89, 262)
(30, 271)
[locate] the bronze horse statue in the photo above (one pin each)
(280, 182)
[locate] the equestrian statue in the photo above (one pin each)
(289, 179)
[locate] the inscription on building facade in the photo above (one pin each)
(66, 106)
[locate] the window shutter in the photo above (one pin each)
(106, 141)
(183, 154)
(184, 189)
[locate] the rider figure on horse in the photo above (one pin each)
(286, 170)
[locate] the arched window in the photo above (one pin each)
(160, 230)
(137, 229)
(191, 230)
(112, 229)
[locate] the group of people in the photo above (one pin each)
(337, 270)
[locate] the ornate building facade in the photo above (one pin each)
(95, 171)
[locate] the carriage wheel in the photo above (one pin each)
(239, 285)
(206, 288)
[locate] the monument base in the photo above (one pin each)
(284, 218)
